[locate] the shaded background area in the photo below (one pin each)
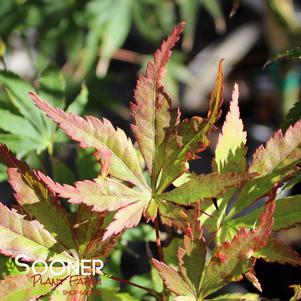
(104, 44)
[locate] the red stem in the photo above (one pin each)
(128, 56)
(149, 290)
(158, 241)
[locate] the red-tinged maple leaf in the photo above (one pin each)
(89, 232)
(36, 199)
(250, 275)
(278, 251)
(123, 193)
(110, 143)
(230, 156)
(190, 137)
(279, 152)
(229, 262)
(274, 163)
(173, 280)
(107, 195)
(45, 233)
(20, 236)
(191, 258)
(152, 108)
(230, 148)
(232, 258)
(154, 124)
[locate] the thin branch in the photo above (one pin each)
(158, 240)
(149, 290)
(128, 56)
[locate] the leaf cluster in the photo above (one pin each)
(160, 188)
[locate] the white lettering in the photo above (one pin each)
(21, 264)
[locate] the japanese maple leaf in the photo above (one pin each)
(45, 232)
(199, 275)
(165, 142)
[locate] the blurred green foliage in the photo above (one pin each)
(23, 128)
(83, 31)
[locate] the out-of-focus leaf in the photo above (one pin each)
(202, 67)
(107, 16)
(3, 175)
(142, 232)
(112, 294)
(144, 280)
(52, 86)
(157, 283)
(80, 102)
(297, 292)
(17, 90)
(176, 72)
(2, 48)
(166, 13)
(170, 255)
(290, 85)
(150, 14)
(87, 55)
(188, 11)
(287, 54)
(61, 172)
(17, 125)
(215, 10)
(235, 7)
(292, 117)
(86, 165)
(20, 145)
(285, 13)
